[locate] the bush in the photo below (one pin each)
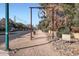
(75, 23)
(45, 30)
(2, 29)
(63, 30)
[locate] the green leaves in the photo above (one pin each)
(69, 9)
(63, 30)
(43, 24)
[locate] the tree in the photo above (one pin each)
(43, 25)
(69, 9)
(64, 11)
(12, 24)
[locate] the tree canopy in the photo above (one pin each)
(70, 10)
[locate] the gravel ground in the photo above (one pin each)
(66, 48)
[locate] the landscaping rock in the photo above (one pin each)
(68, 48)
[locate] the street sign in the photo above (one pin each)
(42, 13)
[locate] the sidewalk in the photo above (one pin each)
(3, 53)
(39, 46)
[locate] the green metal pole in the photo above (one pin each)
(7, 25)
(31, 23)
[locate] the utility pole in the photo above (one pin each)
(15, 19)
(7, 26)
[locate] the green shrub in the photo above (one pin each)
(63, 30)
(45, 30)
(75, 23)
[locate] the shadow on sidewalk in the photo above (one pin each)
(17, 49)
(39, 38)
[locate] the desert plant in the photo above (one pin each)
(63, 30)
(75, 23)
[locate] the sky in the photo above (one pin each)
(22, 12)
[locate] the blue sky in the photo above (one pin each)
(22, 12)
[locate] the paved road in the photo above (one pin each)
(13, 35)
(39, 46)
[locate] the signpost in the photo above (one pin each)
(43, 15)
